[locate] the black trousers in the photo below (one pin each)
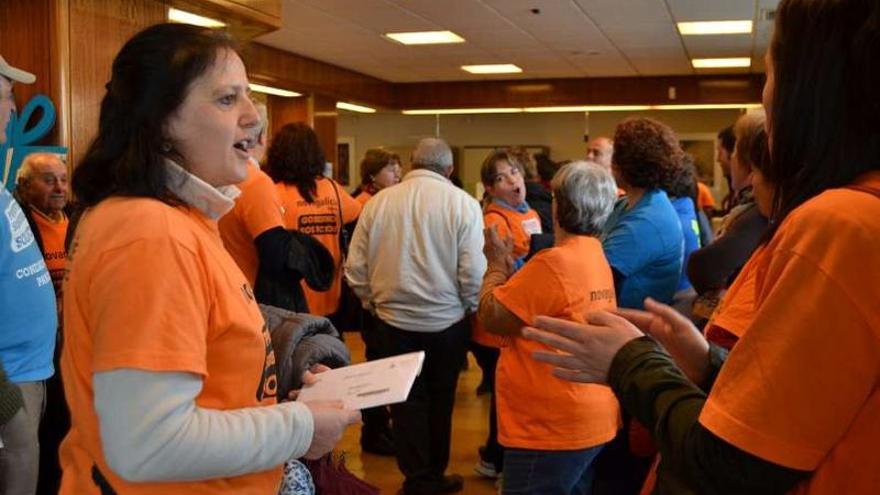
(376, 419)
(618, 471)
(487, 358)
(422, 425)
(53, 428)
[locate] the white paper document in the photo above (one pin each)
(374, 383)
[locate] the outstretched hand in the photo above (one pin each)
(677, 334)
(498, 251)
(584, 351)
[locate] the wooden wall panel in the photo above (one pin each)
(286, 110)
(274, 67)
(246, 19)
(25, 43)
(324, 122)
(271, 66)
(317, 111)
(98, 29)
(552, 92)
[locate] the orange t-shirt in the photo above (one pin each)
(704, 197)
(535, 409)
(800, 388)
(736, 310)
(53, 234)
(320, 219)
(363, 197)
(150, 287)
(727, 325)
(256, 210)
(519, 226)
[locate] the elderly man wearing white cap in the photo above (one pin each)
(27, 328)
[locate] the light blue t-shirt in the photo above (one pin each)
(645, 246)
(690, 228)
(28, 319)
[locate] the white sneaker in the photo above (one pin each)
(486, 470)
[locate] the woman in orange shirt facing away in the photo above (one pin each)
(793, 408)
(552, 430)
(379, 169)
(313, 204)
(167, 362)
(503, 176)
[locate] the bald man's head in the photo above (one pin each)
(42, 183)
(600, 150)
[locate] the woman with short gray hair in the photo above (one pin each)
(552, 430)
(585, 193)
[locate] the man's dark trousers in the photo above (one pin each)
(422, 425)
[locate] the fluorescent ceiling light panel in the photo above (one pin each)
(714, 27)
(461, 111)
(354, 108)
(491, 69)
(584, 108)
(588, 108)
(425, 38)
(184, 17)
(708, 106)
(269, 90)
(721, 63)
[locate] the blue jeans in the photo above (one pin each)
(549, 472)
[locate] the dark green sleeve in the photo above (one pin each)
(10, 398)
(650, 387)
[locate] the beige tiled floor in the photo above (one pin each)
(469, 423)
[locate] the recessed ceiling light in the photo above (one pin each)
(269, 90)
(715, 27)
(184, 17)
(425, 37)
(354, 108)
(715, 63)
(491, 69)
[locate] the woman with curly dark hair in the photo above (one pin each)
(313, 204)
(644, 245)
(643, 239)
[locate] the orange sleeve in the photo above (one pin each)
(351, 207)
(149, 316)
(534, 290)
(704, 196)
(261, 207)
(801, 372)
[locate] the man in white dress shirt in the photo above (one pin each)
(416, 262)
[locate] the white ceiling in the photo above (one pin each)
(568, 39)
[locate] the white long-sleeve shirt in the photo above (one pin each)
(416, 257)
